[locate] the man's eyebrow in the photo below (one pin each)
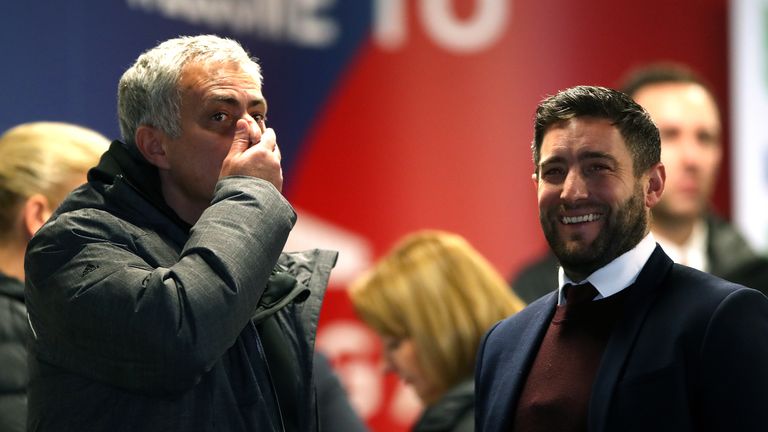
(551, 160)
(231, 100)
(596, 155)
(588, 155)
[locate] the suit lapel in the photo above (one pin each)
(643, 292)
(514, 364)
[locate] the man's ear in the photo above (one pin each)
(657, 175)
(150, 143)
(36, 211)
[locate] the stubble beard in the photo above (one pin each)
(623, 230)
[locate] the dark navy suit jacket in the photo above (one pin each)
(690, 353)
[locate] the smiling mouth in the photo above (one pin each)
(568, 220)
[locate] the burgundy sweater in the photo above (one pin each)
(556, 394)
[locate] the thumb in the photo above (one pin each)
(242, 139)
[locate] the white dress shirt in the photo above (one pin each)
(617, 274)
(694, 252)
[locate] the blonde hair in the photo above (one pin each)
(41, 158)
(436, 289)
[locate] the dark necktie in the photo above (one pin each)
(579, 295)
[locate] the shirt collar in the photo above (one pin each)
(617, 274)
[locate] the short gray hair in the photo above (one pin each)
(148, 92)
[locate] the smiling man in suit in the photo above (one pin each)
(685, 223)
(630, 341)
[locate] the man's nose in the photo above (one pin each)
(256, 126)
(574, 186)
(690, 151)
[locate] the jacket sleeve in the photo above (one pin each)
(117, 304)
(734, 355)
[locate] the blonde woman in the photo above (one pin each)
(431, 300)
(40, 163)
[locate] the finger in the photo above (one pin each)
(268, 139)
(242, 139)
(277, 153)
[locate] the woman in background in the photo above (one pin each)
(431, 300)
(40, 163)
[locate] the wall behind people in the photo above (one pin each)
(392, 115)
(749, 96)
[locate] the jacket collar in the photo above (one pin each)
(11, 287)
(640, 297)
(121, 164)
(727, 250)
(449, 410)
(511, 366)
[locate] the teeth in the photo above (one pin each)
(579, 219)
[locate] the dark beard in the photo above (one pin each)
(622, 232)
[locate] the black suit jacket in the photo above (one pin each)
(690, 353)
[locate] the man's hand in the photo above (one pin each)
(254, 153)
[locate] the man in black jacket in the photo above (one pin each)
(158, 295)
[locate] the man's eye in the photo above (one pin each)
(259, 117)
(219, 116)
(551, 172)
(669, 135)
(706, 138)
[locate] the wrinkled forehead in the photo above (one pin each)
(213, 66)
(580, 125)
(584, 134)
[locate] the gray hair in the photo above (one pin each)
(148, 92)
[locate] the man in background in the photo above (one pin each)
(686, 112)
